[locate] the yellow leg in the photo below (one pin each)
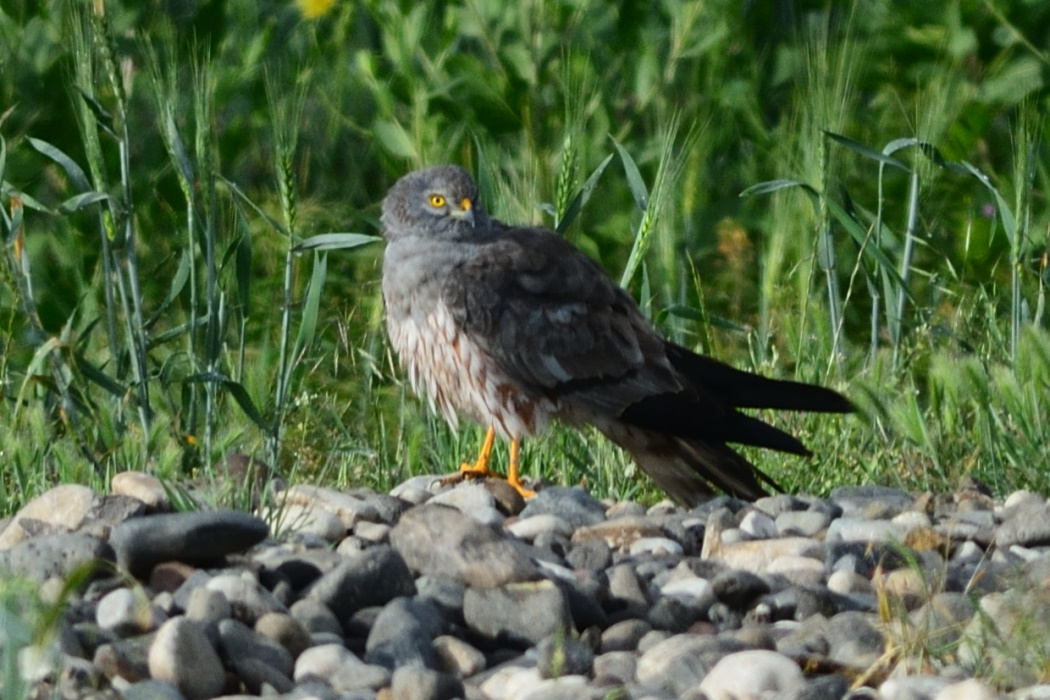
(480, 468)
(512, 471)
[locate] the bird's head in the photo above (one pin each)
(435, 202)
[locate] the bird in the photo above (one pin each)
(515, 328)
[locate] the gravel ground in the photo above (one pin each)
(466, 591)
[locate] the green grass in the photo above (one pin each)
(165, 297)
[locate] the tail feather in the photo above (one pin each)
(740, 389)
(680, 439)
(690, 470)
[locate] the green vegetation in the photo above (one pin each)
(170, 171)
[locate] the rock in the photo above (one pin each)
(871, 502)
(208, 605)
(348, 508)
(573, 505)
(562, 655)
(144, 487)
(199, 537)
(619, 533)
(615, 667)
(440, 541)
(657, 546)
(758, 526)
(60, 510)
(530, 528)
(751, 673)
(854, 640)
(285, 630)
(247, 598)
(802, 523)
(182, 655)
(457, 657)
(1028, 525)
(737, 588)
(47, 556)
(256, 659)
(624, 635)
(151, 690)
(124, 659)
(414, 683)
(128, 612)
(401, 635)
(518, 613)
(291, 517)
(372, 577)
(680, 662)
(913, 687)
(473, 499)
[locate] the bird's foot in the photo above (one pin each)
(469, 472)
(521, 488)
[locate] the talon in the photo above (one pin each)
(480, 468)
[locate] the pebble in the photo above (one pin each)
(751, 673)
(461, 590)
(182, 655)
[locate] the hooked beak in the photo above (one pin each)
(464, 212)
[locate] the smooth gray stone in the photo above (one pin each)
(943, 618)
(1027, 525)
(854, 640)
(441, 541)
(240, 643)
(738, 588)
(803, 523)
(519, 614)
(401, 635)
(444, 593)
(248, 599)
(201, 537)
(387, 508)
(871, 501)
(674, 614)
(617, 666)
(316, 617)
(413, 683)
(371, 577)
(573, 505)
(563, 655)
(680, 662)
(152, 690)
(624, 635)
(182, 655)
(61, 555)
(592, 555)
(830, 687)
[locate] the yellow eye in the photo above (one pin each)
(437, 200)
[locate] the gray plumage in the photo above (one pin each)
(514, 327)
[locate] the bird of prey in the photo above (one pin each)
(514, 327)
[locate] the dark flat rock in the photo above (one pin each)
(141, 543)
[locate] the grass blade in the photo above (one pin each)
(75, 172)
(634, 177)
(576, 205)
(335, 241)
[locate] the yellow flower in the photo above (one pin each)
(312, 9)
